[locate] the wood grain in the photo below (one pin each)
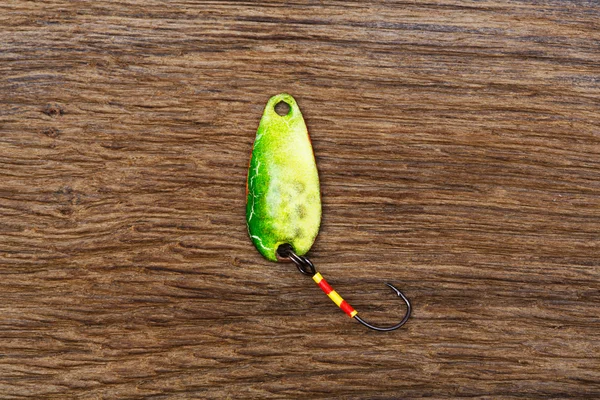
(459, 153)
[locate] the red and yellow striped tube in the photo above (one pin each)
(333, 295)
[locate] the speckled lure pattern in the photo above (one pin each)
(283, 196)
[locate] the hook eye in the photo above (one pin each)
(285, 252)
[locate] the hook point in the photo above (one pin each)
(394, 288)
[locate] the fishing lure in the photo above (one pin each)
(283, 198)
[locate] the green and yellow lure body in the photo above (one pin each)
(283, 204)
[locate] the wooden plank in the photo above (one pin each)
(459, 153)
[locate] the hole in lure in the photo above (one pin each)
(282, 108)
(283, 252)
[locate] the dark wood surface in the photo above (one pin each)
(458, 146)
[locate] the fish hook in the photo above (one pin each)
(285, 252)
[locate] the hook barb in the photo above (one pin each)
(393, 327)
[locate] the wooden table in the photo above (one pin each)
(458, 146)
